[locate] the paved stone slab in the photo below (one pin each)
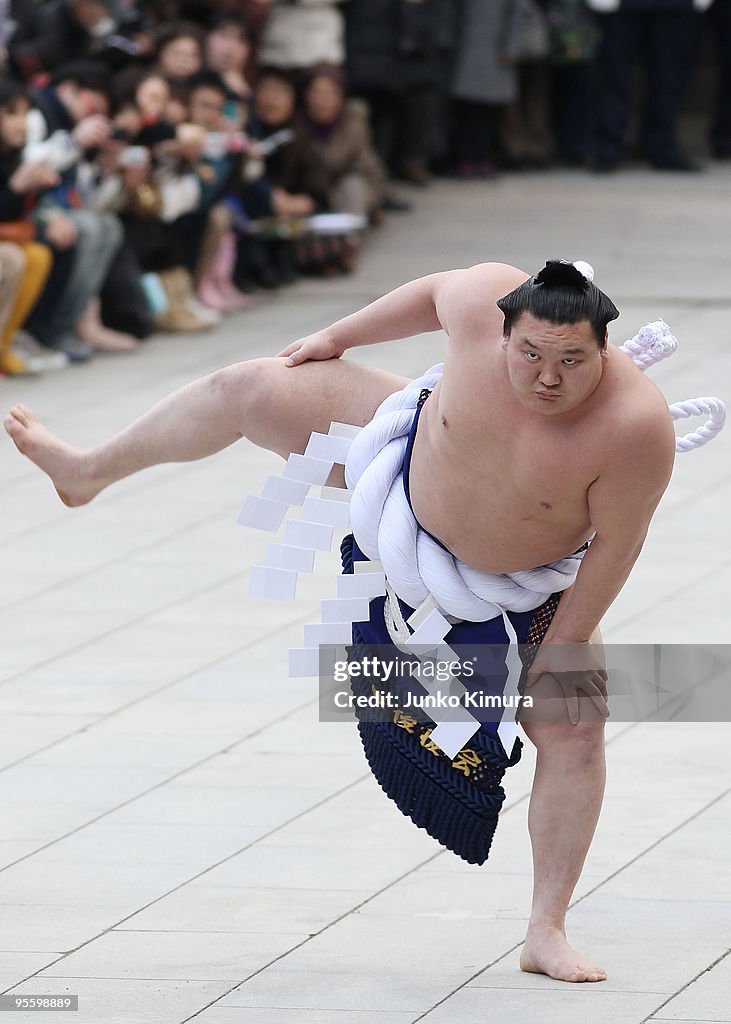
(691, 864)
(193, 956)
(28, 927)
(343, 990)
(284, 1015)
(706, 999)
(200, 906)
(117, 1001)
(417, 944)
(575, 1005)
(15, 965)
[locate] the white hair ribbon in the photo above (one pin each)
(585, 269)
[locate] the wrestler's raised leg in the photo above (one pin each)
(564, 808)
(275, 406)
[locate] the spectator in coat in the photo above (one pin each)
(218, 171)
(574, 36)
(336, 163)
(24, 263)
(52, 34)
(484, 82)
(720, 133)
(70, 119)
(663, 36)
(398, 53)
(270, 189)
(227, 53)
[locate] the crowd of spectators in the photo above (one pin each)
(162, 161)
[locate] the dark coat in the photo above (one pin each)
(487, 39)
(647, 5)
(47, 39)
(47, 36)
(320, 163)
(398, 44)
(13, 205)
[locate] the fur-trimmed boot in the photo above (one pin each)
(217, 289)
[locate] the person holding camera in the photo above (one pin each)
(70, 120)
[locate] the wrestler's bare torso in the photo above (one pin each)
(505, 487)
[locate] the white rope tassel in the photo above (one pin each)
(651, 344)
(654, 342)
(714, 408)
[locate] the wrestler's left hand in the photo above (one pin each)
(315, 346)
(578, 668)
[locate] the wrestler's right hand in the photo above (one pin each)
(315, 346)
(579, 670)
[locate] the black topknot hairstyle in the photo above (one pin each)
(562, 295)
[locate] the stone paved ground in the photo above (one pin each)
(181, 839)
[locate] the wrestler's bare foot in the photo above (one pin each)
(546, 951)
(65, 465)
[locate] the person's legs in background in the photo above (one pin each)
(157, 248)
(101, 237)
(12, 268)
(472, 139)
(420, 108)
(20, 352)
(671, 51)
(571, 91)
(620, 37)
(98, 236)
(39, 320)
(124, 305)
(216, 264)
(525, 124)
(383, 110)
(720, 132)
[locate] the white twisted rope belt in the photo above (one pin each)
(416, 567)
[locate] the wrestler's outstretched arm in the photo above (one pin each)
(428, 304)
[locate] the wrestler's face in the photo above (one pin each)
(553, 368)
